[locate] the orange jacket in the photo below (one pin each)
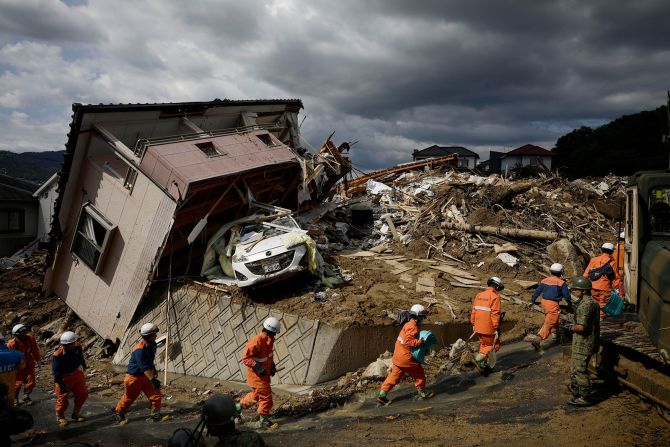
(407, 339)
(485, 315)
(618, 255)
(603, 283)
(258, 351)
(29, 349)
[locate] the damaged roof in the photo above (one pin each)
(440, 151)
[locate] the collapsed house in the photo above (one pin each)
(142, 190)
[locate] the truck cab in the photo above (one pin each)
(647, 252)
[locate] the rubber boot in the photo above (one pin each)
(579, 401)
(382, 398)
(121, 418)
(76, 415)
(62, 422)
(423, 394)
(26, 399)
(265, 422)
(157, 416)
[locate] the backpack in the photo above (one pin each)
(604, 270)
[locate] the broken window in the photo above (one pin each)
(12, 221)
(208, 148)
(267, 139)
(92, 237)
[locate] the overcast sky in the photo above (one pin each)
(394, 74)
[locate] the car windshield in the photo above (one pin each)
(248, 231)
(659, 211)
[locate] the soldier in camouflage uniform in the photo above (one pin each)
(218, 417)
(585, 340)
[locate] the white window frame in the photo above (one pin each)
(89, 210)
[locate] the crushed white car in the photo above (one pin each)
(263, 247)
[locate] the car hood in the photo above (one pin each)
(270, 244)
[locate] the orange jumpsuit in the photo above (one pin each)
(485, 318)
(136, 382)
(403, 362)
(67, 366)
(600, 288)
(26, 377)
(552, 289)
(258, 352)
(617, 256)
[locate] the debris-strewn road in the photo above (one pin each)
(522, 403)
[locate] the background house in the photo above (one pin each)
(526, 155)
(467, 159)
(18, 214)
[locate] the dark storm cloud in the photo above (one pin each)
(46, 21)
(394, 74)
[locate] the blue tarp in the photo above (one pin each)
(429, 340)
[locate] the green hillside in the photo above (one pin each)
(35, 166)
(628, 144)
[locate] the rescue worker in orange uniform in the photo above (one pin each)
(485, 318)
(617, 255)
(26, 344)
(11, 363)
(602, 272)
(142, 377)
(68, 366)
(258, 358)
(403, 363)
(552, 289)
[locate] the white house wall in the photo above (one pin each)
(107, 301)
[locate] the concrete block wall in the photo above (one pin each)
(208, 334)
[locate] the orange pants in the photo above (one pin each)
(133, 386)
(26, 378)
(398, 372)
(9, 379)
(76, 383)
(486, 344)
(261, 395)
(552, 312)
(601, 297)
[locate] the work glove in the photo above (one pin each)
(273, 369)
(258, 369)
(156, 383)
(63, 388)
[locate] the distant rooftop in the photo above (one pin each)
(529, 149)
(439, 151)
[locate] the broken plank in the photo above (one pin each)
(394, 232)
(358, 254)
(428, 261)
(466, 286)
(466, 280)
(400, 270)
(526, 284)
(453, 271)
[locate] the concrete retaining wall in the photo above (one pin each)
(208, 333)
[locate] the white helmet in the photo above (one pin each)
(496, 282)
(19, 329)
(68, 338)
(556, 268)
(622, 235)
(271, 324)
(148, 329)
(418, 310)
(608, 246)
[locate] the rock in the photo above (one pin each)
(562, 251)
(380, 368)
(508, 259)
(457, 348)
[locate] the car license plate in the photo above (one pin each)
(271, 267)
